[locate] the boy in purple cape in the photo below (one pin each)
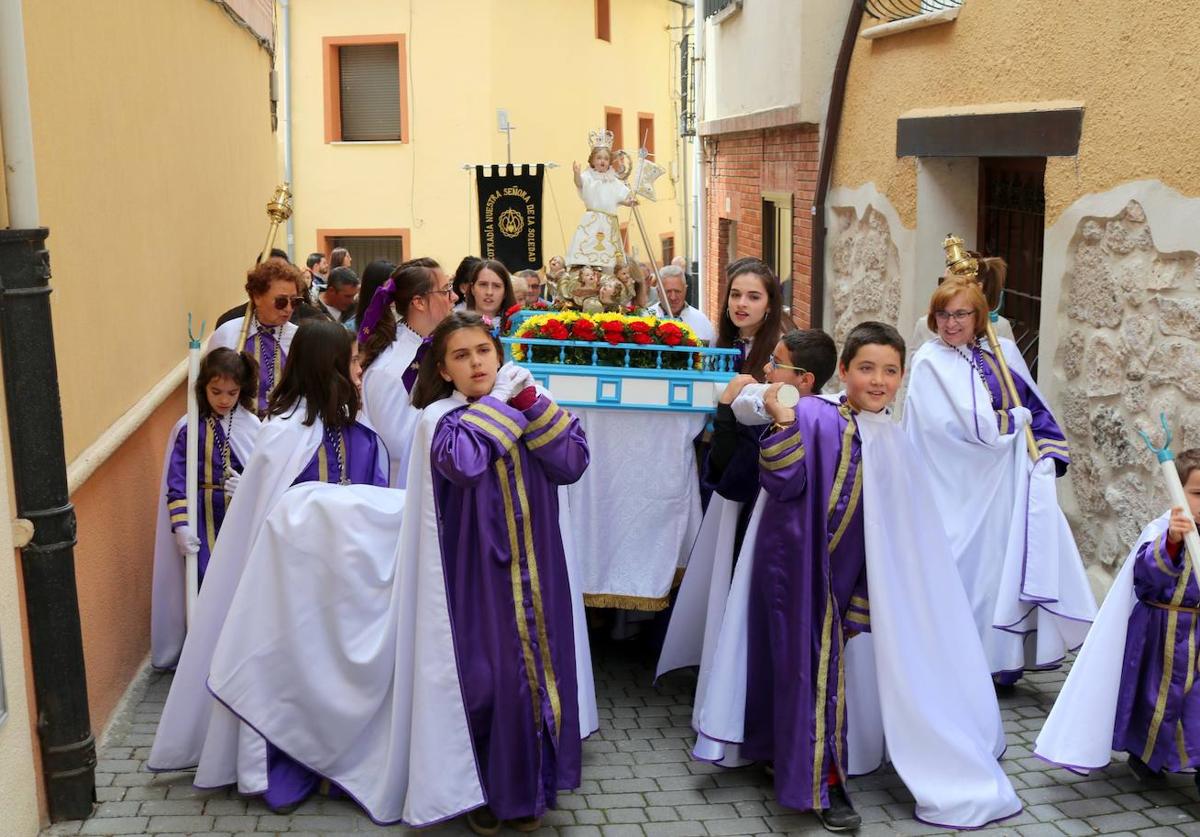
(497, 458)
(808, 589)
(1158, 712)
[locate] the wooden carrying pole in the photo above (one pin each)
(192, 469)
(960, 263)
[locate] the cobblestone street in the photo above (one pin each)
(638, 779)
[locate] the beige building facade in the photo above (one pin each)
(1060, 137)
(155, 157)
(378, 159)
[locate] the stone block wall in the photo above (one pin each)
(1129, 316)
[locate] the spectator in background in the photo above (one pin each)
(340, 257)
(520, 288)
(533, 286)
(317, 270)
(462, 280)
(490, 293)
(675, 286)
(337, 300)
(373, 275)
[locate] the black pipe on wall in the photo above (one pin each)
(48, 562)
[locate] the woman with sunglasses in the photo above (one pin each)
(265, 332)
(393, 335)
(1015, 553)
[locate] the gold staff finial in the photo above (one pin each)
(958, 261)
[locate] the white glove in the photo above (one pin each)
(748, 407)
(505, 386)
(522, 378)
(1021, 417)
(231, 484)
(186, 541)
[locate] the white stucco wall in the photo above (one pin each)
(773, 54)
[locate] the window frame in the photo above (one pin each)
(603, 20)
(618, 135)
(642, 118)
(325, 237)
(332, 84)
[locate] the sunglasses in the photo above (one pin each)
(282, 302)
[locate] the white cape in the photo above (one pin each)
(388, 404)
(940, 718)
(168, 617)
(1029, 593)
(1078, 733)
(195, 730)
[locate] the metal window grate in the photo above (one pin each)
(370, 90)
(366, 249)
(901, 9)
(711, 7)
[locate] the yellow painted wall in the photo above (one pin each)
(540, 59)
(1133, 65)
(155, 160)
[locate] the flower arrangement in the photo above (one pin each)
(583, 330)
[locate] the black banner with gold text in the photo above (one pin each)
(510, 215)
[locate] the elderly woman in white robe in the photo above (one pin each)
(1014, 550)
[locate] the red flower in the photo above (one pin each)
(613, 325)
(583, 330)
(514, 309)
(640, 338)
(554, 330)
(638, 327)
(613, 337)
(670, 334)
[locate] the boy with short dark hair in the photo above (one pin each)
(1131, 687)
(837, 475)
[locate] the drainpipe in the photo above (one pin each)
(39, 462)
(833, 121)
(285, 58)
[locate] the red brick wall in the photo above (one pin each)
(740, 167)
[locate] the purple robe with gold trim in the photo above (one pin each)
(1051, 440)
(1158, 711)
(496, 472)
(210, 500)
(807, 590)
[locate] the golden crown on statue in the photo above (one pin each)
(600, 139)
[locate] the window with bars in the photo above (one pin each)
(365, 249)
(365, 90)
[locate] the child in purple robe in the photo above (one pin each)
(809, 585)
(227, 380)
(497, 460)
(1158, 712)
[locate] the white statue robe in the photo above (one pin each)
(597, 239)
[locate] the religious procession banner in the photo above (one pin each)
(510, 215)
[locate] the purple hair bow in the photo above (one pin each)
(381, 299)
